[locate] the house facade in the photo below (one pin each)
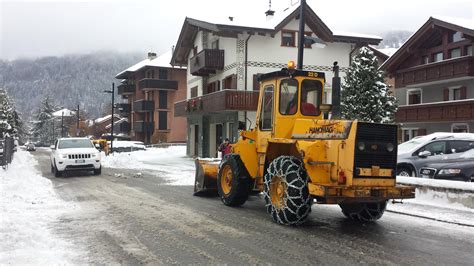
(149, 90)
(434, 79)
(224, 59)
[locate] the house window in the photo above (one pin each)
(163, 73)
(163, 99)
(455, 37)
(194, 92)
(438, 57)
(288, 38)
(414, 96)
(213, 87)
(307, 44)
(455, 94)
(215, 44)
(469, 50)
(425, 59)
(455, 53)
(162, 120)
(409, 133)
(230, 82)
(460, 128)
(149, 74)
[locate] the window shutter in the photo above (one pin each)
(463, 93)
(446, 94)
(233, 85)
(421, 131)
(255, 82)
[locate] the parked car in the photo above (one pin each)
(74, 154)
(30, 147)
(461, 169)
(433, 148)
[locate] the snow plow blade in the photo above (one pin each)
(206, 176)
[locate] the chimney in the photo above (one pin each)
(151, 55)
(231, 18)
(269, 14)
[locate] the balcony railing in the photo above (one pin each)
(225, 100)
(206, 62)
(143, 127)
(435, 112)
(143, 106)
(125, 89)
(157, 84)
(123, 108)
(123, 127)
(443, 70)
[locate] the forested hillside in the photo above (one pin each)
(68, 80)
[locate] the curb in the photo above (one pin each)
(430, 218)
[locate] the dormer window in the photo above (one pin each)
(288, 38)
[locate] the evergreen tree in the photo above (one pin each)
(364, 94)
(8, 124)
(43, 127)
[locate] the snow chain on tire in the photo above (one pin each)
(295, 202)
(364, 211)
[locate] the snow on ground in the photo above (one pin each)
(29, 209)
(170, 163)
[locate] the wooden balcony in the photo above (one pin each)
(143, 127)
(437, 112)
(143, 106)
(216, 102)
(443, 70)
(157, 84)
(123, 127)
(125, 89)
(206, 62)
(123, 108)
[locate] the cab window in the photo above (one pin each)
(288, 96)
(266, 117)
(311, 97)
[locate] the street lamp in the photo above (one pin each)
(112, 124)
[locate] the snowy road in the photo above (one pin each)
(121, 217)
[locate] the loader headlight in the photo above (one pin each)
(390, 147)
(361, 146)
(449, 171)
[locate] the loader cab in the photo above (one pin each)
(287, 96)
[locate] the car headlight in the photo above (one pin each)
(64, 156)
(95, 155)
(361, 146)
(449, 171)
(390, 147)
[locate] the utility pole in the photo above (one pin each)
(301, 36)
(77, 125)
(112, 118)
(62, 124)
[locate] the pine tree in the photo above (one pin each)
(364, 94)
(8, 125)
(43, 127)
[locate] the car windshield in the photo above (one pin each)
(468, 154)
(409, 145)
(75, 143)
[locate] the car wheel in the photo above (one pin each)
(98, 171)
(57, 173)
(403, 171)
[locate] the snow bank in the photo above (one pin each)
(169, 163)
(436, 183)
(29, 209)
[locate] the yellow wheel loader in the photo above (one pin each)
(295, 156)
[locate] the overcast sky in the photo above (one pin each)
(34, 28)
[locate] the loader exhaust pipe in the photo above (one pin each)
(336, 93)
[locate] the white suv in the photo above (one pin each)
(74, 154)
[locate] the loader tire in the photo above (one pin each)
(364, 211)
(232, 183)
(286, 191)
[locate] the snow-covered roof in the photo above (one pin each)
(388, 51)
(105, 118)
(355, 34)
(64, 112)
(462, 22)
(161, 61)
(118, 122)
